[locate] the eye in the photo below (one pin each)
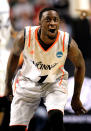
(56, 19)
(48, 19)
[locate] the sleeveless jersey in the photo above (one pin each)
(44, 66)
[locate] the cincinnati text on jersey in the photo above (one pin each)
(42, 66)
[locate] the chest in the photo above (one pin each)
(54, 54)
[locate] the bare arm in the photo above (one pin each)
(13, 61)
(77, 59)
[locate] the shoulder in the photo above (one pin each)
(18, 44)
(20, 35)
(75, 54)
(73, 46)
(74, 51)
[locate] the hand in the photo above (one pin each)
(84, 13)
(8, 93)
(78, 107)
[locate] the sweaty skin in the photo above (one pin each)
(76, 57)
(49, 25)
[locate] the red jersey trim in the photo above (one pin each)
(29, 36)
(63, 41)
(62, 75)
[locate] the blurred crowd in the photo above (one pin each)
(25, 12)
(16, 14)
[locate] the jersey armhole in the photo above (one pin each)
(70, 38)
(24, 35)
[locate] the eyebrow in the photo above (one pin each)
(52, 16)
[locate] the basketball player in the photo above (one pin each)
(45, 49)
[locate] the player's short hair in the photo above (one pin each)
(47, 9)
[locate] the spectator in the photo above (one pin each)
(22, 14)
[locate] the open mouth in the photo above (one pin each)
(52, 30)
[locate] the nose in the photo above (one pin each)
(52, 22)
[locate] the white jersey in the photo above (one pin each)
(44, 66)
(40, 66)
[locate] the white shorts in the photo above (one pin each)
(27, 96)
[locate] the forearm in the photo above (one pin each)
(11, 68)
(78, 80)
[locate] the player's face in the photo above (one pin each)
(50, 24)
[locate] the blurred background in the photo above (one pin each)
(75, 18)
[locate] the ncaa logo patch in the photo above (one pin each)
(59, 54)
